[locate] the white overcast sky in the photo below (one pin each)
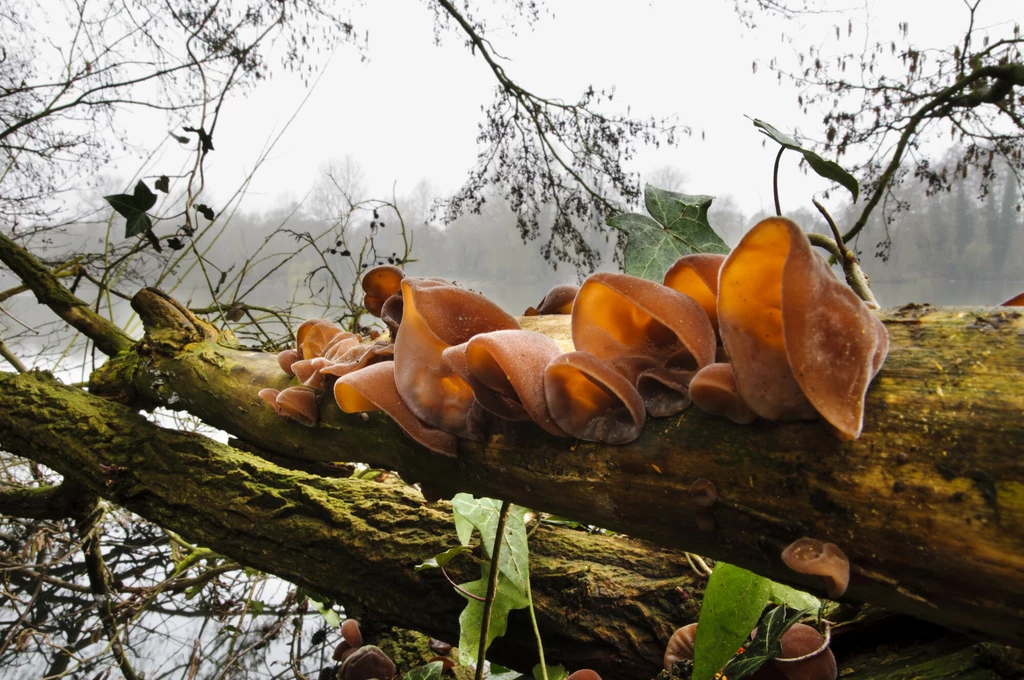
(411, 110)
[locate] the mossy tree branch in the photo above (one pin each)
(608, 603)
(928, 503)
(51, 292)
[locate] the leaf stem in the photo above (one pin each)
(536, 632)
(492, 587)
(775, 181)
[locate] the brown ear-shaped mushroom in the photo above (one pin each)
(589, 399)
(391, 313)
(558, 300)
(269, 395)
(680, 645)
(373, 389)
(367, 663)
(339, 344)
(626, 320)
(505, 369)
(583, 673)
(308, 371)
(359, 356)
(697, 276)
(811, 556)
(714, 391)
(1016, 301)
(834, 343)
(439, 315)
(801, 343)
(379, 284)
(802, 640)
(350, 631)
(286, 358)
(314, 336)
(299, 403)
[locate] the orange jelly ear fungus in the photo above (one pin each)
(505, 369)
(713, 390)
(437, 316)
(653, 335)
(801, 342)
(1016, 301)
(697, 276)
(315, 335)
(589, 399)
(558, 300)
(379, 284)
(373, 389)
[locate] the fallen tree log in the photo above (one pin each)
(928, 504)
(608, 603)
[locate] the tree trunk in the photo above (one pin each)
(609, 603)
(928, 504)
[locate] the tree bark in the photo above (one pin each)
(608, 603)
(928, 504)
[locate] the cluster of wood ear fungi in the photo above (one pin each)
(766, 331)
(805, 654)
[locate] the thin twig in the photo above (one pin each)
(855, 276)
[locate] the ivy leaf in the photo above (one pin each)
(138, 223)
(506, 598)
(482, 513)
(432, 671)
(827, 169)
(205, 140)
(206, 211)
(163, 183)
(175, 243)
(123, 204)
(499, 672)
(766, 645)
(733, 602)
(144, 198)
(679, 227)
(440, 560)
(793, 598)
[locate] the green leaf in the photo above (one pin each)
(827, 169)
(441, 559)
(779, 136)
(733, 602)
(499, 672)
(506, 598)
(554, 672)
(123, 204)
(138, 223)
(482, 513)
(793, 598)
(679, 227)
(833, 171)
(766, 645)
(256, 607)
(330, 616)
(432, 671)
(163, 183)
(206, 211)
(144, 198)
